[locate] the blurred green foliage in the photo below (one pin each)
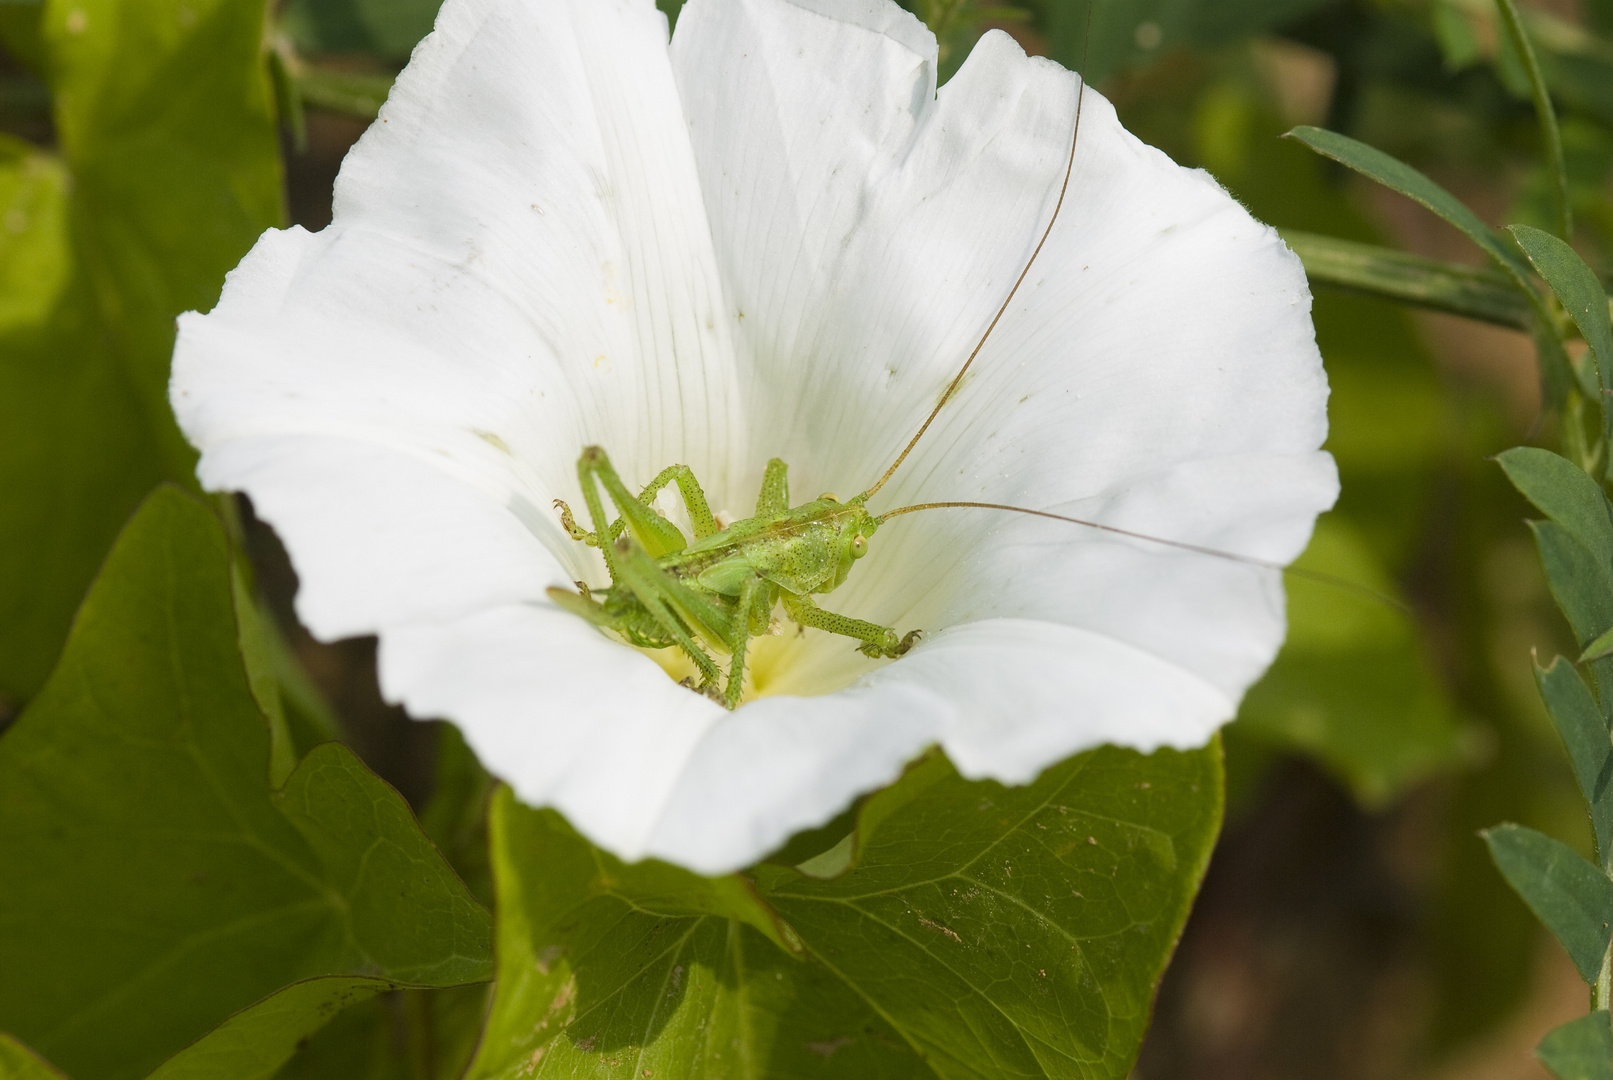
(386, 29)
(165, 169)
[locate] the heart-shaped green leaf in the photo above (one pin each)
(156, 883)
(965, 929)
(17, 1062)
(612, 970)
(1016, 931)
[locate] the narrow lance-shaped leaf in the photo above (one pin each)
(1581, 585)
(1600, 648)
(1580, 1049)
(1582, 296)
(1398, 176)
(1585, 735)
(1473, 292)
(1563, 493)
(1576, 546)
(1573, 898)
(1551, 139)
(155, 883)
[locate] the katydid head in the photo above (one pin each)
(853, 525)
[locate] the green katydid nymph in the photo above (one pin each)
(720, 590)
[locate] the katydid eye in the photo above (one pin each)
(828, 496)
(859, 547)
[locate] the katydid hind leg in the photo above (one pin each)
(694, 500)
(877, 641)
(583, 606)
(658, 535)
(700, 610)
(652, 587)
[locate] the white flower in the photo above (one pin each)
(771, 238)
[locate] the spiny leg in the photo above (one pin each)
(694, 501)
(739, 639)
(706, 612)
(876, 640)
(584, 605)
(660, 593)
(626, 568)
(658, 535)
(775, 494)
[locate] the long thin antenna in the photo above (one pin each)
(1198, 549)
(957, 379)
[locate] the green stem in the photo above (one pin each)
(1549, 134)
(342, 92)
(1474, 292)
(1602, 992)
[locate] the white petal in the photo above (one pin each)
(519, 266)
(784, 764)
(523, 262)
(866, 232)
(1025, 694)
(568, 719)
(1157, 372)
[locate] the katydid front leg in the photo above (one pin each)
(666, 599)
(876, 640)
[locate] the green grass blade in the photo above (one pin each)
(1473, 292)
(1585, 736)
(1398, 176)
(1512, 24)
(348, 93)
